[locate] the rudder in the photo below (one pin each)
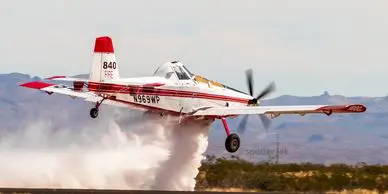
(104, 64)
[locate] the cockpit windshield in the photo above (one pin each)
(173, 70)
(187, 70)
(182, 75)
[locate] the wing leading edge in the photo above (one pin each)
(277, 110)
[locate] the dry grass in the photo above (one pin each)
(229, 190)
(356, 191)
(15, 193)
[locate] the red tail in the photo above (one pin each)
(103, 45)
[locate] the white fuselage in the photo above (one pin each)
(181, 96)
(173, 95)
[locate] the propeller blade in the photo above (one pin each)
(249, 75)
(265, 120)
(243, 123)
(269, 89)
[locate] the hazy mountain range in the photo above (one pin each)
(349, 138)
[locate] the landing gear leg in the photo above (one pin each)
(232, 142)
(94, 111)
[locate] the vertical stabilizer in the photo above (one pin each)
(104, 65)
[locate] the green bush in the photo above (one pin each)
(237, 173)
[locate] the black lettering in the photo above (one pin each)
(134, 98)
(110, 65)
(146, 98)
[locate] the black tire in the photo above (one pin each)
(232, 143)
(94, 113)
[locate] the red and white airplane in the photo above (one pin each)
(173, 89)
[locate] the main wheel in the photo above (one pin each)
(232, 143)
(94, 113)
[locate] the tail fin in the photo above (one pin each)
(104, 65)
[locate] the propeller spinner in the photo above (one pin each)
(269, 89)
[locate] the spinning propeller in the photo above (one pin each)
(269, 89)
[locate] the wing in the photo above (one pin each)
(278, 110)
(69, 91)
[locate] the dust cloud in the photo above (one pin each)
(125, 151)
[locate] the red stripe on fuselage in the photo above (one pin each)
(116, 88)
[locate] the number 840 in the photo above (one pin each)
(110, 65)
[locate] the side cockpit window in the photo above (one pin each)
(168, 75)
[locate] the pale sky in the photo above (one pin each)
(305, 46)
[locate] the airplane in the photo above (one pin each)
(173, 89)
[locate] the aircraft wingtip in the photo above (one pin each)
(35, 85)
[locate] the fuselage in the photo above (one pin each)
(180, 94)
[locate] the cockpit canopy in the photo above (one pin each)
(177, 71)
(174, 71)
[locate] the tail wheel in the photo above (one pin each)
(94, 113)
(232, 143)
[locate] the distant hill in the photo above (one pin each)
(349, 138)
(316, 138)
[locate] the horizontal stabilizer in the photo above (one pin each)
(56, 88)
(137, 81)
(66, 90)
(70, 79)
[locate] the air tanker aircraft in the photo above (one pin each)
(173, 89)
